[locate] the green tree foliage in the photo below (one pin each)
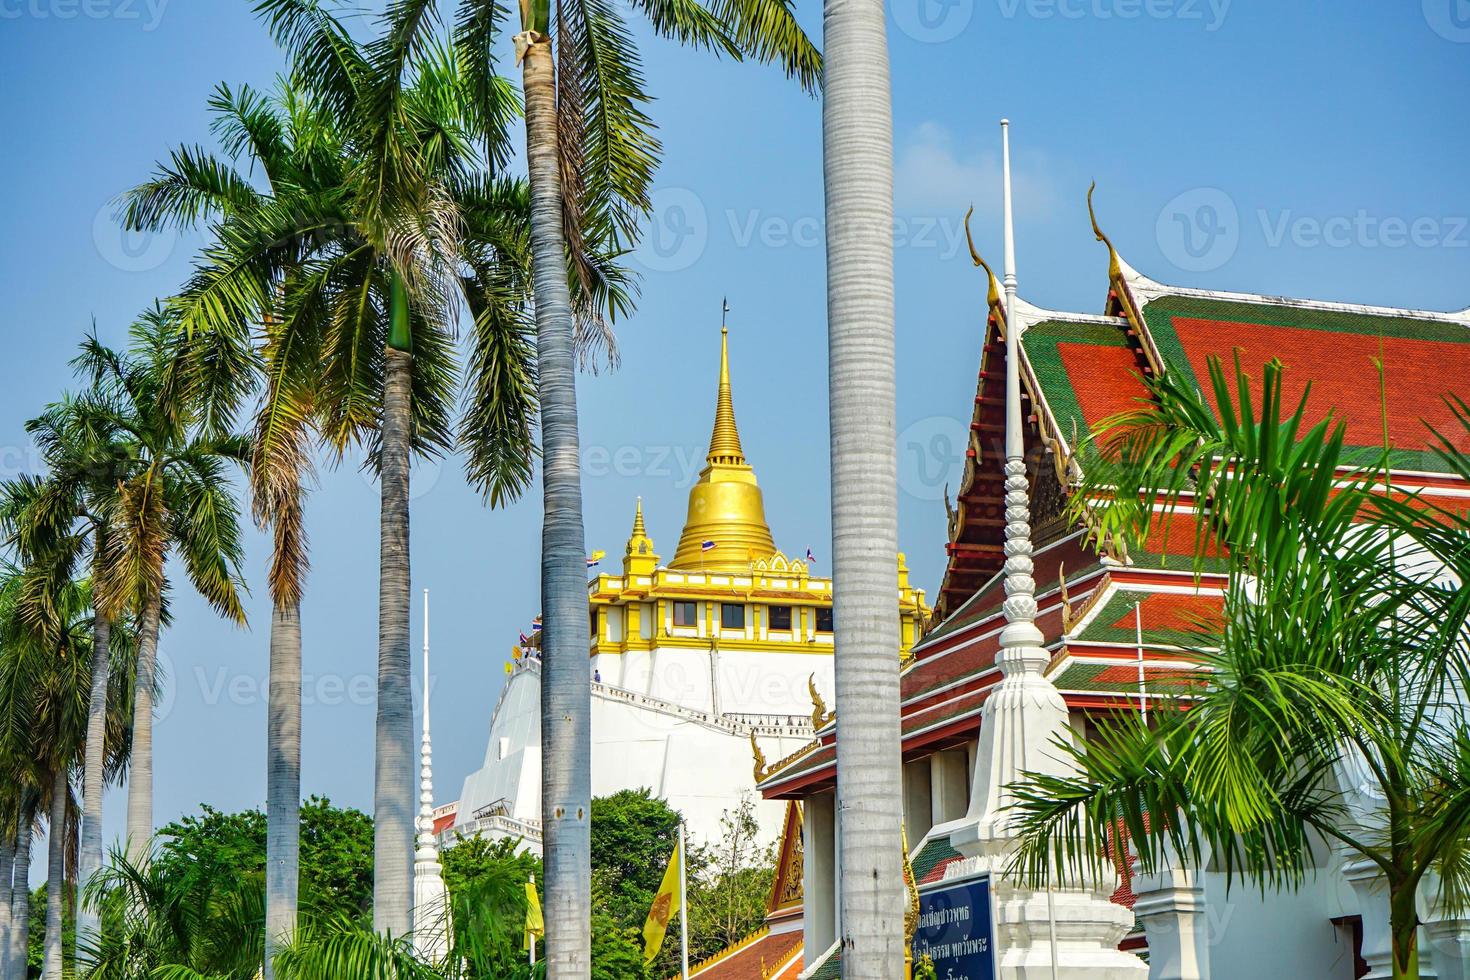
(731, 888)
(336, 853)
(633, 835)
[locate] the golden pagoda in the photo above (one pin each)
(726, 529)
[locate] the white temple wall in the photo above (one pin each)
(750, 683)
(702, 772)
(1284, 934)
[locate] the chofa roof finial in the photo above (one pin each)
(992, 298)
(1115, 266)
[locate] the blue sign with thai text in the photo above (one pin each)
(957, 930)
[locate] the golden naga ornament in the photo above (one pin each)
(821, 717)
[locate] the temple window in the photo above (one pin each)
(686, 614)
(824, 619)
(732, 616)
(780, 617)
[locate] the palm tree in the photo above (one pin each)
(591, 156)
(373, 229)
(1336, 661)
(857, 168)
(168, 925)
(27, 803)
(59, 520)
(45, 690)
(172, 494)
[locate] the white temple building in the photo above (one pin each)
(703, 668)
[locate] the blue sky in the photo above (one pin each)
(1237, 144)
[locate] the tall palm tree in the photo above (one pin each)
(173, 495)
(45, 686)
(29, 802)
(59, 522)
(591, 156)
(1335, 653)
(373, 230)
(857, 169)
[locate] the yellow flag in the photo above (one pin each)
(535, 925)
(665, 903)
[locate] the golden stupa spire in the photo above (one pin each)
(726, 528)
(639, 557)
(724, 441)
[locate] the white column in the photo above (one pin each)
(1449, 941)
(950, 785)
(1171, 908)
(918, 792)
(819, 874)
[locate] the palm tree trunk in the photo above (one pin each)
(857, 154)
(20, 899)
(283, 782)
(55, 873)
(7, 868)
(140, 761)
(1403, 915)
(394, 775)
(566, 673)
(93, 763)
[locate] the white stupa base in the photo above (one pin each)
(1088, 925)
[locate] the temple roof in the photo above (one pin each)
(1336, 347)
(726, 528)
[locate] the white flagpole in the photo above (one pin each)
(1142, 686)
(531, 936)
(683, 906)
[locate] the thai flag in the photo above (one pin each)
(536, 625)
(595, 559)
(811, 559)
(525, 640)
(706, 546)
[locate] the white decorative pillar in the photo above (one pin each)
(1060, 933)
(1371, 889)
(819, 869)
(1170, 906)
(430, 900)
(1445, 941)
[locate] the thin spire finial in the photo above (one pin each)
(724, 442)
(1015, 449)
(426, 663)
